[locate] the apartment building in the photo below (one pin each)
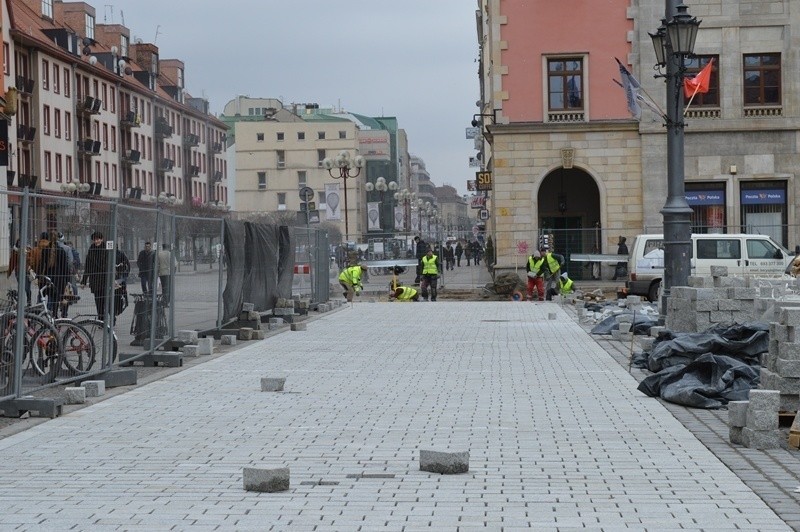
(101, 116)
(565, 154)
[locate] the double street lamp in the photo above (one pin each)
(406, 197)
(381, 186)
(673, 42)
(346, 166)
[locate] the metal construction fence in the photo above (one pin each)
(94, 279)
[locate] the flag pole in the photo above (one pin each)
(686, 110)
(650, 98)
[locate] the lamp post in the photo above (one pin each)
(382, 186)
(673, 42)
(348, 166)
(405, 197)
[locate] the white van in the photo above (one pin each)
(743, 254)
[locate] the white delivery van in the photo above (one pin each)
(743, 254)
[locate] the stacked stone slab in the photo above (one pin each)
(754, 423)
(781, 365)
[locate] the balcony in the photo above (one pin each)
(217, 147)
(89, 147)
(28, 180)
(163, 129)
(131, 119)
(191, 140)
(90, 106)
(132, 157)
(194, 171)
(26, 134)
(25, 85)
(217, 176)
(167, 165)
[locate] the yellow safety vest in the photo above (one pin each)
(408, 293)
(565, 287)
(351, 275)
(552, 263)
(534, 264)
(429, 265)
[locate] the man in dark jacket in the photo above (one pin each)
(459, 252)
(421, 248)
(145, 262)
(449, 256)
(95, 272)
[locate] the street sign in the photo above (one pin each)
(306, 193)
(472, 132)
(313, 216)
(483, 180)
(312, 205)
(484, 214)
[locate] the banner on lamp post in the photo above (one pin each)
(399, 218)
(373, 216)
(333, 201)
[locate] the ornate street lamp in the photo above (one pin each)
(382, 186)
(347, 167)
(673, 42)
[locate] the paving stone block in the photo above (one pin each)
(656, 330)
(445, 463)
(94, 388)
(248, 307)
(75, 395)
(730, 304)
(283, 311)
(272, 384)
(773, 381)
(768, 400)
(735, 435)
(790, 316)
(719, 271)
(787, 368)
(228, 339)
(646, 343)
(265, 480)
(729, 282)
(187, 337)
(245, 333)
(790, 402)
(258, 335)
(120, 377)
(762, 439)
(720, 316)
(249, 316)
(788, 350)
(624, 327)
(205, 346)
(276, 321)
(706, 305)
(189, 351)
(778, 332)
(762, 419)
(551, 315)
(298, 326)
(701, 282)
(737, 413)
(743, 293)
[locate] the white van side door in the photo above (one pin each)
(719, 251)
(764, 257)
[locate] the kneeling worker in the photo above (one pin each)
(404, 293)
(350, 279)
(564, 287)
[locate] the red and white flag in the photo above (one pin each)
(700, 83)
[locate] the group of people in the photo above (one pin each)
(58, 260)
(545, 277)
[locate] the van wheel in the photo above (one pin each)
(652, 294)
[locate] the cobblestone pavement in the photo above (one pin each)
(558, 436)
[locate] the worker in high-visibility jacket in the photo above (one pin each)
(430, 275)
(552, 269)
(565, 286)
(350, 279)
(404, 293)
(535, 269)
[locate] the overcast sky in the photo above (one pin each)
(413, 59)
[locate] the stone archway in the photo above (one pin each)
(568, 204)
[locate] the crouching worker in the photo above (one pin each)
(404, 293)
(564, 287)
(350, 279)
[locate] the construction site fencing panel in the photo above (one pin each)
(313, 264)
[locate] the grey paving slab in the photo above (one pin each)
(557, 433)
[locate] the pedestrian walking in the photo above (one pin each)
(459, 252)
(350, 280)
(552, 269)
(621, 270)
(449, 256)
(70, 295)
(430, 275)
(421, 248)
(477, 251)
(165, 265)
(145, 262)
(54, 264)
(95, 272)
(13, 267)
(535, 271)
(468, 252)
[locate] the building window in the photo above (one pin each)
(67, 126)
(321, 197)
(301, 135)
(565, 83)
(48, 176)
(320, 157)
(281, 201)
(762, 79)
(113, 138)
(123, 45)
(301, 178)
(47, 8)
(260, 137)
(262, 181)
(695, 64)
(45, 74)
(59, 169)
(321, 135)
(57, 123)
(89, 26)
(280, 136)
(67, 85)
(343, 134)
(68, 167)
(6, 59)
(46, 119)
(281, 156)
(56, 79)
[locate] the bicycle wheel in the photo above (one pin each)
(6, 367)
(36, 330)
(77, 346)
(96, 328)
(46, 353)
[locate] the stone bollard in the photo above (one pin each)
(272, 384)
(445, 463)
(298, 326)
(245, 333)
(265, 480)
(205, 346)
(228, 339)
(94, 388)
(248, 307)
(76, 395)
(189, 350)
(551, 316)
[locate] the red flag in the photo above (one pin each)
(700, 83)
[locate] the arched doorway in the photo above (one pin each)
(569, 209)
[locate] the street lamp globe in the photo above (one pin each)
(369, 187)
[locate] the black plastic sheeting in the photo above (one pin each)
(706, 369)
(260, 264)
(640, 324)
